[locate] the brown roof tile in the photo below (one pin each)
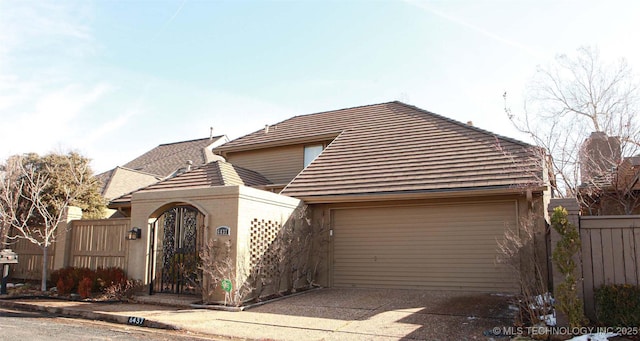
(167, 158)
(217, 173)
(394, 147)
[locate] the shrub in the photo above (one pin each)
(519, 251)
(567, 247)
(122, 290)
(71, 277)
(64, 285)
(85, 287)
(106, 277)
(84, 281)
(618, 305)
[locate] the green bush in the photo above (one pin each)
(566, 249)
(618, 305)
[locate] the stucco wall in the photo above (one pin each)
(232, 206)
(218, 204)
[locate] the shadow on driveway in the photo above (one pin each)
(401, 314)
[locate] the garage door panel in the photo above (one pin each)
(422, 246)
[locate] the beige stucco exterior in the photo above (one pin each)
(231, 206)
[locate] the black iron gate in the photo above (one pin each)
(176, 253)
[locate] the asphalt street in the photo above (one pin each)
(27, 326)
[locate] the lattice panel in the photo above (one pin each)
(263, 233)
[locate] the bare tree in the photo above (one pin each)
(521, 250)
(27, 212)
(218, 264)
(571, 98)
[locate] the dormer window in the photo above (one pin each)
(311, 152)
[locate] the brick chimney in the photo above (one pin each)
(599, 154)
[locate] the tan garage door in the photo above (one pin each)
(449, 247)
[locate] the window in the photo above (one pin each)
(310, 153)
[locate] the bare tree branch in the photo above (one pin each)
(568, 100)
(33, 200)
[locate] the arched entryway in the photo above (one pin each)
(177, 236)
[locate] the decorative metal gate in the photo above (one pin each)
(177, 253)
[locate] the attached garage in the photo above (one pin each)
(441, 246)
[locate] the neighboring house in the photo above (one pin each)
(161, 162)
(617, 192)
(121, 180)
(407, 198)
(609, 183)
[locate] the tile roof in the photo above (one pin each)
(167, 158)
(216, 173)
(397, 148)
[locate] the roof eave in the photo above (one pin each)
(425, 194)
(119, 204)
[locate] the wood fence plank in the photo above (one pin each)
(598, 262)
(636, 239)
(607, 256)
(630, 264)
(99, 243)
(587, 272)
(617, 253)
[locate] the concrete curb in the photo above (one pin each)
(89, 315)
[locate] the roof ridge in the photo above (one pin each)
(161, 180)
(137, 171)
(177, 151)
(193, 140)
(221, 174)
(343, 109)
(314, 113)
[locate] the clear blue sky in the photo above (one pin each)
(113, 79)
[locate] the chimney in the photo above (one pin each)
(470, 123)
(599, 154)
(266, 129)
(189, 164)
(210, 133)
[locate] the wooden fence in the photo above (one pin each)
(98, 243)
(86, 243)
(29, 260)
(610, 253)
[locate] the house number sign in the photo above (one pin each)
(223, 231)
(136, 321)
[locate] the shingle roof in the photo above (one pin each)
(121, 180)
(397, 148)
(217, 173)
(165, 159)
(625, 177)
(104, 178)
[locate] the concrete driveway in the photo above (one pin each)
(322, 314)
(365, 314)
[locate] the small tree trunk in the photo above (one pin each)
(43, 283)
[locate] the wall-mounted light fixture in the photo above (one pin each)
(134, 233)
